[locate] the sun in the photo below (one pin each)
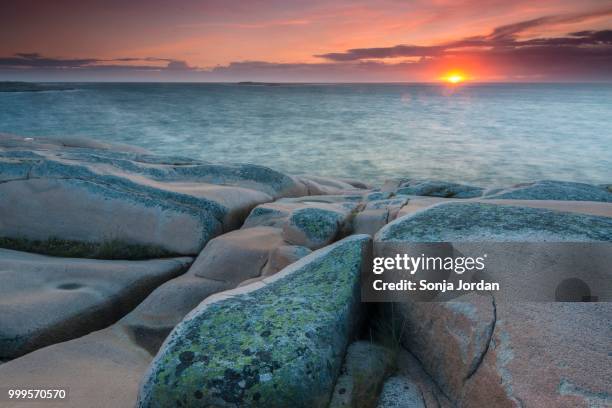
(454, 77)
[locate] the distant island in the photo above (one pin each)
(251, 83)
(15, 86)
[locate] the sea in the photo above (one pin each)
(484, 134)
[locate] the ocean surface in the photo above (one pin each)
(487, 134)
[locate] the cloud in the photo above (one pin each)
(501, 37)
(37, 61)
(507, 52)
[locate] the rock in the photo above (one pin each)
(237, 255)
(88, 196)
(409, 367)
(400, 392)
(438, 189)
(480, 222)
(313, 227)
(46, 300)
(152, 320)
(324, 185)
(356, 183)
(282, 256)
(376, 214)
(545, 354)
(554, 190)
(279, 342)
(101, 370)
(487, 350)
(269, 215)
(366, 366)
(449, 338)
(120, 353)
(582, 207)
(418, 203)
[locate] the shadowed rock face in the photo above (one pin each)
(366, 365)
(46, 300)
(554, 190)
(95, 195)
(276, 343)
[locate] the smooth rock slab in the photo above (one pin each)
(545, 355)
(479, 222)
(104, 368)
(276, 343)
(45, 300)
(555, 190)
(93, 195)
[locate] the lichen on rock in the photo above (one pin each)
(275, 344)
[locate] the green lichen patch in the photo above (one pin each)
(277, 346)
(474, 222)
(319, 225)
(111, 249)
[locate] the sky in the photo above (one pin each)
(306, 41)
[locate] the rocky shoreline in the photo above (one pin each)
(140, 280)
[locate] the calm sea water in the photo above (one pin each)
(486, 134)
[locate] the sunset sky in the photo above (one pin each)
(306, 41)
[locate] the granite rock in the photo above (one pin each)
(438, 189)
(366, 365)
(92, 195)
(400, 392)
(45, 300)
(275, 343)
(554, 190)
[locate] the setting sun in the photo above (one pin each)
(454, 77)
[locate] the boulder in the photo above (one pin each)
(282, 256)
(238, 255)
(449, 338)
(477, 222)
(491, 350)
(377, 213)
(438, 189)
(269, 215)
(400, 392)
(365, 368)
(313, 227)
(278, 342)
(90, 196)
(554, 190)
(45, 300)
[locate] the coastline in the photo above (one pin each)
(242, 283)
